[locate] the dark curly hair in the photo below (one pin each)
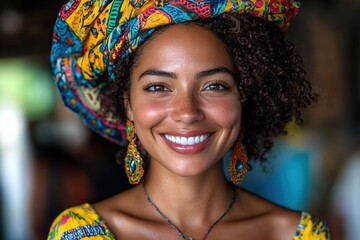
(270, 74)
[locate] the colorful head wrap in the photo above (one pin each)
(89, 36)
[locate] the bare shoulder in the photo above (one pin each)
(275, 222)
(119, 203)
(121, 212)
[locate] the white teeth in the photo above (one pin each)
(187, 141)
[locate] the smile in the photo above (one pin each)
(187, 140)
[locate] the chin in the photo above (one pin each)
(191, 169)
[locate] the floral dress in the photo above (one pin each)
(83, 222)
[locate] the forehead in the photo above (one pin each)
(186, 44)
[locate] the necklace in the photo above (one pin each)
(168, 221)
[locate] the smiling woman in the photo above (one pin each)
(192, 80)
(185, 94)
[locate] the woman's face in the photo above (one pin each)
(184, 100)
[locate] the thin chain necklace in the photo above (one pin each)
(168, 221)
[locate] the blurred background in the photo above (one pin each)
(49, 161)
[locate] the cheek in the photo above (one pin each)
(227, 113)
(148, 113)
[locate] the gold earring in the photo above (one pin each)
(133, 161)
(238, 161)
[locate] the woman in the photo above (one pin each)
(191, 80)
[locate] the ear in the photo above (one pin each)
(129, 112)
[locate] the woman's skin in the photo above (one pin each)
(183, 85)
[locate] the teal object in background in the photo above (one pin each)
(287, 179)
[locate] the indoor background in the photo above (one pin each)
(50, 161)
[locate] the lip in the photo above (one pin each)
(188, 149)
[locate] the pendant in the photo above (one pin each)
(190, 238)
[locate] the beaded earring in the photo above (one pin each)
(133, 161)
(238, 161)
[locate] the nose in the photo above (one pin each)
(186, 108)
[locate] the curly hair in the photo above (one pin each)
(270, 74)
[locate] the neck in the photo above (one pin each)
(190, 201)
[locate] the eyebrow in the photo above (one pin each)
(202, 74)
(214, 71)
(158, 73)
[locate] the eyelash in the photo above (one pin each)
(156, 84)
(217, 84)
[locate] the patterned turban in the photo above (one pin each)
(90, 35)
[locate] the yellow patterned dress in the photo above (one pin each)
(83, 222)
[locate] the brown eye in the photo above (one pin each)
(216, 87)
(156, 88)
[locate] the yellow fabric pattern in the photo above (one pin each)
(80, 222)
(83, 222)
(311, 228)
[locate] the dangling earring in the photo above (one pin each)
(133, 161)
(238, 161)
